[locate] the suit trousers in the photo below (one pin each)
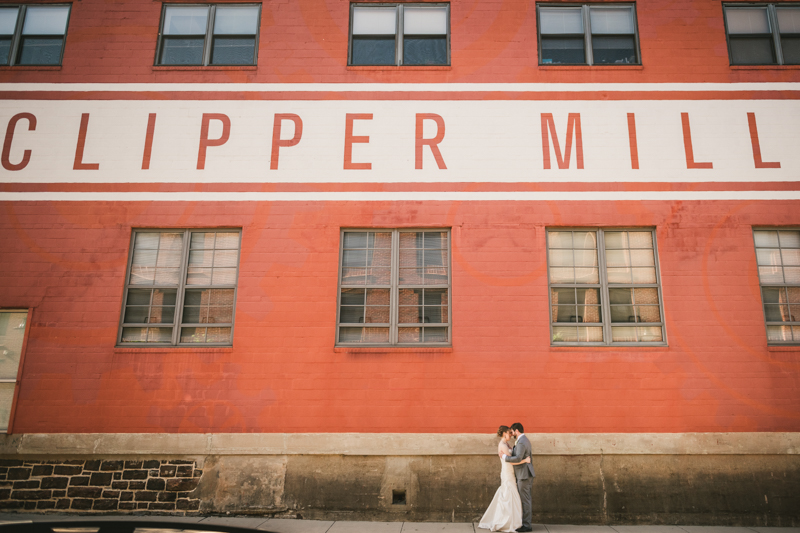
(524, 488)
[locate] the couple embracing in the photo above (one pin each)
(510, 509)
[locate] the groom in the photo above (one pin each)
(524, 473)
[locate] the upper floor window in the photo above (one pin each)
(778, 258)
(225, 34)
(394, 287)
(588, 34)
(33, 35)
(616, 300)
(399, 34)
(763, 34)
(180, 287)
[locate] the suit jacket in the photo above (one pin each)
(522, 449)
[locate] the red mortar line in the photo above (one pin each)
(396, 187)
(399, 95)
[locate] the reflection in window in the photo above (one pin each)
(394, 287)
(12, 339)
(778, 259)
(38, 39)
(767, 34)
(209, 35)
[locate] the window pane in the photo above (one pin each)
(12, 335)
(611, 20)
(5, 50)
(790, 46)
(561, 258)
(614, 50)
(587, 275)
(560, 20)
(8, 20)
(790, 256)
(562, 296)
(159, 334)
(236, 20)
(6, 399)
(40, 50)
(425, 51)
(355, 240)
(425, 21)
(562, 275)
(185, 20)
(779, 333)
(374, 20)
(352, 297)
(364, 335)
(617, 258)
(136, 315)
(177, 51)
(788, 19)
(642, 258)
(623, 334)
(45, 20)
(585, 258)
(752, 51)
(224, 276)
(590, 334)
(773, 295)
(562, 51)
(559, 239)
(193, 334)
(565, 334)
(792, 274)
(789, 239)
(747, 20)
(777, 313)
(622, 313)
(406, 335)
(770, 274)
(643, 275)
(434, 334)
(649, 334)
(233, 51)
(648, 313)
(768, 256)
(766, 239)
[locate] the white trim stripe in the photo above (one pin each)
(399, 196)
(398, 87)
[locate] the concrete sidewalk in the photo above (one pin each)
(281, 525)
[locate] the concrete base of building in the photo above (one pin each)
(701, 479)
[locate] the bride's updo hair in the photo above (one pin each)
(502, 430)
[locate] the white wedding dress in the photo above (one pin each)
(505, 511)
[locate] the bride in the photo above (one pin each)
(505, 511)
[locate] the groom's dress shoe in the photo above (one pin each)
(524, 530)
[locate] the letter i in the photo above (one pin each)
(148, 141)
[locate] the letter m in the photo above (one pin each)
(549, 130)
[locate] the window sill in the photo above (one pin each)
(591, 67)
(396, 68)
(30, 67)
(205, 68)
(610, 347)
(392, 349)
(784, 348)
(765, 67)
(172, 349)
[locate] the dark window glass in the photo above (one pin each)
(790, 46)
(789, 26)
(182, 51)
(234, 41)
(563, 51)
(43, 33)
(614, 50)
(373, 50)
(752, 50)
(8, 26)
(424, 50)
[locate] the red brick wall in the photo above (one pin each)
(306, 41)
(68, 260)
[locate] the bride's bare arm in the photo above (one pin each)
(503, 449)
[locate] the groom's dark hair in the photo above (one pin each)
(518, 427)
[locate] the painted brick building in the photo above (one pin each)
(303, 257)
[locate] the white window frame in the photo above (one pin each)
(398, 35)
(394, 288)
(13, 59)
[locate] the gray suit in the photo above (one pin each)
(525, 475)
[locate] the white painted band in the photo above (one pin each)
(394, 444)
(400, 87)
(398, 196)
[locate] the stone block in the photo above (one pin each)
(182, 484)
(46, 504)
(136, 485)
(92, 465)
(111, 494)
(42, 470)
(10, 462)
(131, 465)
(162, 506)
(184, 471)
(30, 484)
(55, 482)
(152, 473)
(197, 472)
(156, 484)
(167, 496)
(19, 473)
(152, 463)
(13, 505)
(100, 479)
(62, 503)
(117, 475)
(126, 496)
(79, 481)
(187, 505)
(111, 465)
(146, 496)
(134, 474)
(141, 505)
(168, 470)
(119, 485)
(84, 492)
(29, 505)
(30, 494)
(105, 505)
(126, 506)
(73, 462)
(67, 470)
(59, 494)
(4, 494)
(81, 504)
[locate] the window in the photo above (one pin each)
(394, 287)
(588, 35)
(181, 287)
(12, 341)
(33, 35)
(405, 34)
(209, 35)
(778, 259)
(613, 301)
(763, 34)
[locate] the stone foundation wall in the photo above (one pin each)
(99, 485)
